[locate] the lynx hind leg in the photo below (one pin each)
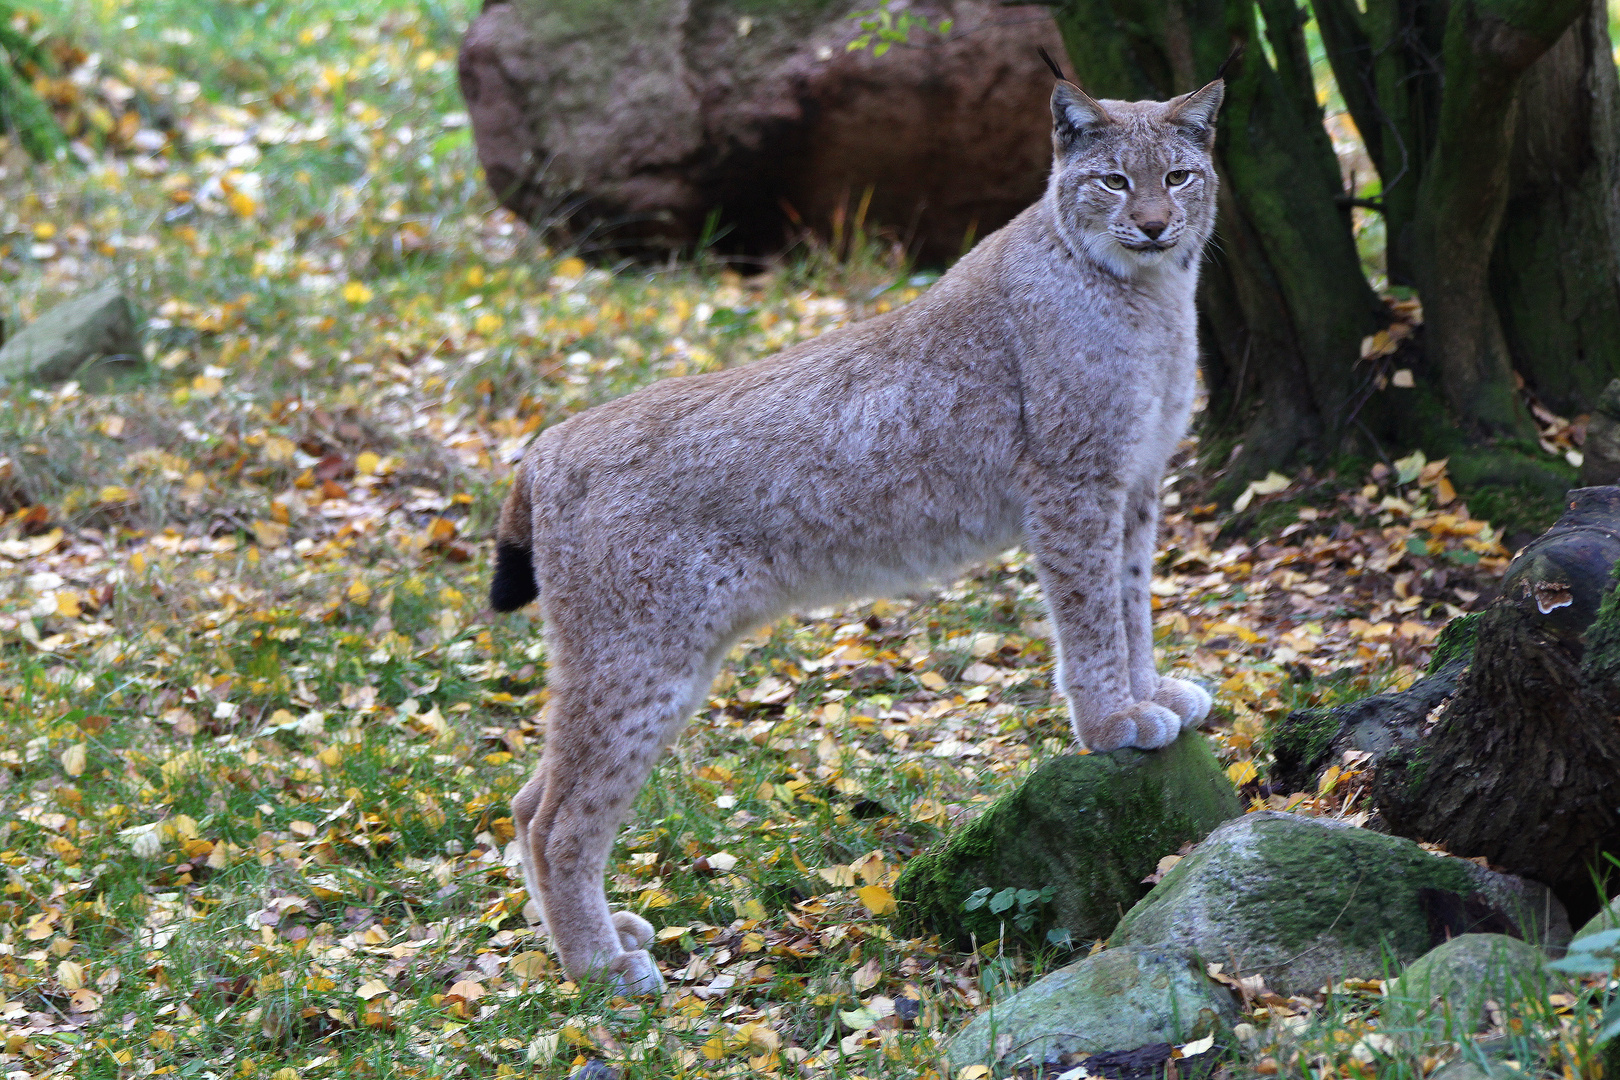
(1186, 699)
(1144, 725)
(600, 746)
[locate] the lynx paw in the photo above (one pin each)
(1144, 725)
(635, 972)
(634, 931)
(1186, 699)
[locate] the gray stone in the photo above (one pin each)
(1466, 1069)
(79, 338)
(1089, 827)
(1442, 994)
(1118, 999)
(1308, 901)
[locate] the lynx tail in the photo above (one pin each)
(513, 584)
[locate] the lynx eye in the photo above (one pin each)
(1176, 177)
(1116, 182)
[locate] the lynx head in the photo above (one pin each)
(1133, 182)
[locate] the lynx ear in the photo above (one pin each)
(1197, 110)
(1075, 114)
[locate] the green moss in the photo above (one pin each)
(1456, 642)
(1299, 882)
(1299, 740)
(1088, 827)
(1601, 663)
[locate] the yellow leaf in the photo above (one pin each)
(269, 534)
(84, 1000)
(572, 267)
(330, 757)
(73, 762)
(67, 604)
(1329, 780)
(242, 203)
(932, 680)
(359, 592)
(374, 988)
(70, 975)
(44, 231)
(206, 386)
(467, 990)
(529, 966)
(366, 464)
(488, 323)
(1241, 772)
(973, 1072)
(356, 293)
(878, 900)
(113, 494)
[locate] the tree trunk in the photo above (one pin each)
(1285, 305)
(1555, 273)
(1511, 750)
(1488, 46)
(1492, 126)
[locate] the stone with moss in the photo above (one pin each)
(1088, 828)
(88, 338)
(1442, 995)
(1118, 999)
(1307, 902)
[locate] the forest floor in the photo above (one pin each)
(259, 729)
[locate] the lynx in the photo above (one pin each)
(1033, 394)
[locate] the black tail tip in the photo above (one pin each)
(513, 584)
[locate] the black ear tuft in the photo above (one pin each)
(1052, 65)
(513, 584)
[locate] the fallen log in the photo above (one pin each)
(1510, 748)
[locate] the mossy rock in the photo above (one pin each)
(1307, 902)
(1118, 999)
(1442, 994)
(1088, 827)
(90, 338)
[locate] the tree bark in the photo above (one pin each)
(1285, 305)
(1489, 44)
(1555, 272)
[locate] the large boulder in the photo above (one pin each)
(87, 338)
(1087, 827)
(1118, 999)
(628, 123)
(1308, 901)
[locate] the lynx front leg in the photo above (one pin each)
(1189, 701)
(1078, 537)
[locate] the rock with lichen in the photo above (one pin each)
(1307, 902)
(1068, 849)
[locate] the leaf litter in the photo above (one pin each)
(261, 731)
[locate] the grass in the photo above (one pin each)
(258, 730)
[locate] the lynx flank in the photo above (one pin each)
(1033, 394)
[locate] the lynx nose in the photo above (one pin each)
(1152, 229)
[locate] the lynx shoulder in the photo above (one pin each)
(1033, 395)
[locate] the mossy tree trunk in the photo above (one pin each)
(1492, 125)
(1284, 302)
